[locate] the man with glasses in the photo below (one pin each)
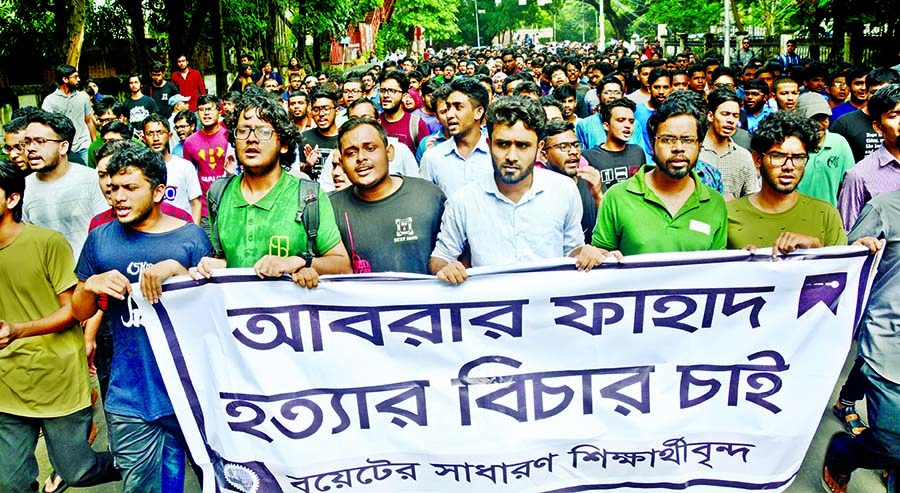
(185, 124)
(561, 152)
(255, 223)
(857, 126)
(321, 141)
(779, 216)
(76, 106)
(61, 196)
(409, 129)
(182, 184)
(103, 114)
(13, 148)
(836, 89)
(351, 91)
(206, 149)
(590, 130)
(666, 207)
(745, 54)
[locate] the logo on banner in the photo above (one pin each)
(822, 288)
(241, 478)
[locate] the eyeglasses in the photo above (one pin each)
(566, 147)
(321, 109)
(352, 91)
(38, 141)
(777, 159)
(668, 140)
(838, 84)
(208, 109)
(18, 147)
(611, 93)
(388, 90)
(261, 133)
(156, 133)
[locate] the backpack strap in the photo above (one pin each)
(414, 129)
(213, 199)
(308, 213)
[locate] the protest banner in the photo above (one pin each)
(700, 372)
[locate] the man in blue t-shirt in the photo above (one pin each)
(144, 246)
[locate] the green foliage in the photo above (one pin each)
(328, 17)
(505, 16)
(687, 16)
(106, 25)
(27, 28)
(438, 19)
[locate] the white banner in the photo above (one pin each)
(705, 372)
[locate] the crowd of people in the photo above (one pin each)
(467, 158)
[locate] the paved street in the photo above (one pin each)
(806, 482)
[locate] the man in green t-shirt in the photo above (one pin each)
(42, 354)
(256, 220)
(666, 208)
(778, 215)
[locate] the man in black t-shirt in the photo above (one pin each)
(321, 141)
(616, 159)
(139, 106)
(389, 223)
(159, 89)
(856, 126)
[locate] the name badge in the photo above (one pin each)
(700, 227)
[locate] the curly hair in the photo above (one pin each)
(780, 125)
(680, 103)
(272, 112)
(512, 109)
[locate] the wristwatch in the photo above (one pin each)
(309, 258)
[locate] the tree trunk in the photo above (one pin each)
(61, 13)
(75, 32)
(270, 34)
(184, 36)
(134, 9)
(218, 47)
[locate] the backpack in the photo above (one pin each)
(307, 212)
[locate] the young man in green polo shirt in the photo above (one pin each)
(666, 207)
(256, 217)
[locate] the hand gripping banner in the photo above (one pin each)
(700, 372)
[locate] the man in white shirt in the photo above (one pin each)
(182, 184)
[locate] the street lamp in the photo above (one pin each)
(477, 25)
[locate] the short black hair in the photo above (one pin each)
(563, 92)
(104, 104)
(15, 125)
(58, 122)
(273, 113)
(549, 101)
(148, 161)
(155, 118)
(720, 96)
(883, 101)
(696, 68)
(557, 127)
(880, 76)
(680, 103)
(358, 122)
(63, 71)
(157, 67)
(658, 73)
(777, 126)
(473, 90)
(114, 146)
(399, 76)
(323, 92)
(116, 127)
(12, 180)
(206, 99)
(606, 109)
(513, 109)
(187, 115)
(757, 84)
(232, 96)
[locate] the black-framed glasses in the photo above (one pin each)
(777, 159)
(668, 140)
(18, 147)
(261, 133)
(38, 141)
(566, 147)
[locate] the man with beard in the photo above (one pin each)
(857, 126)
(185, 124)
(409, 129)
(518, 213)
(466, 155)
(298, 107)
(778, 215)
(665, 208)
(719, 150)
(561, 152)
(660, 83)
(189, 82)
(855, 81)
(139, 106)
(756, 95)
(76, 105)
(617, 159)
(144, 246)
(256, 222)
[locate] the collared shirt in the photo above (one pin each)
(736, 165)
(825, 169)
(878, 333)
(249, 232)
(753, 121)
(545, 223)
(876, 174)
(633, 219)
(444, 166)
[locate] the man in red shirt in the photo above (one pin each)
(409, 129)
(189, 82)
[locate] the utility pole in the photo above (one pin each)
(477, 25)
(727, 51)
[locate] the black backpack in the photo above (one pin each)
(307, 213)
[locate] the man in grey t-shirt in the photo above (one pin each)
(76, 105)
(61, 196)
(388, 223)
